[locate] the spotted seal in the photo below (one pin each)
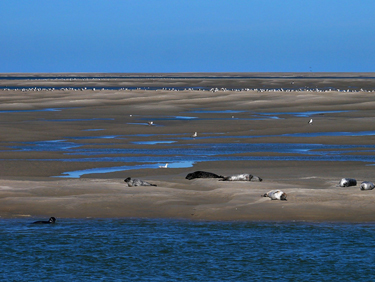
(137, 182)
(202, 174)
(242, 177)
(238, 177)
(346, 182)
(276, 195)
(51, 220)
(367, 185)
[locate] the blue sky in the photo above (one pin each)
(187, 36)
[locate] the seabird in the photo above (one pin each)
(194, 135)
(150, 123)
(164, 166)
(310, 121)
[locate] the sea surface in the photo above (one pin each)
(179, 250)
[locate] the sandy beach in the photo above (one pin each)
(29, 186)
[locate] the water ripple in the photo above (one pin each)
(179, 250)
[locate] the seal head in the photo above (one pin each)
(50, 221)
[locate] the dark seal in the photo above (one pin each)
(202, 174)
(51, 220)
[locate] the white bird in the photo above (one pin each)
(164, 166)
(310, 121)
(194, 135)
(150, 123)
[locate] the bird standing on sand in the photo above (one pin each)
(194, 135)
(164, 166)
(150, 123)
(310, 121)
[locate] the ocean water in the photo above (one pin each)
(179, 250)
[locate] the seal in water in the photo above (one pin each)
(137, 182)
(276, 195)
(51, 220)
(202, 174)
(239, 177)
(346, 182)
(367, 185)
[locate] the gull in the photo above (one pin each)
(150, 123)
(194, 135)
(310, 121)
(164, 166)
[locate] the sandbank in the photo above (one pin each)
(29, 186)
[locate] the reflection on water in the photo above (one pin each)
(153, 142)
(302, 114)
(79, 173)
(184, 155)
(36, 110)
(317, 134)
(75, 119)
(215, 112)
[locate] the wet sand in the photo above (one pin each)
(28, 190)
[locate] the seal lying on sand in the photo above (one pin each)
(256, 178)
(51, 220)
(276, 195)
(242, 177)
(346, 182)
(367, 185)
(202, 174)
(137, 182)
(238, 177)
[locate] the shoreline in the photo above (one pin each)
(27, 188)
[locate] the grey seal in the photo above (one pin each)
(51, 220)
(367, 185)
(202, 174)
(256, 178)
(242, 177)
(276, 195)
(238, 177)
(137, 182)
(346, 182)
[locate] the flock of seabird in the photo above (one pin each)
(305, 89)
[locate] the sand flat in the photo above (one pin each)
(27, 187)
